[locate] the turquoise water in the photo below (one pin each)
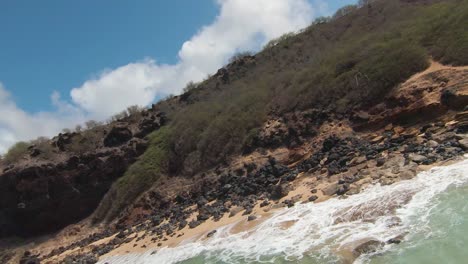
(445, 238)
(431, 211)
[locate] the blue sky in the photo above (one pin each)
(55, 44)
(63, 62)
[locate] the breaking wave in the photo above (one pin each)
(325, 232)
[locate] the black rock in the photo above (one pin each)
(251, 218)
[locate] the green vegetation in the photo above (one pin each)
(86, 140)
(208, 132)
(16, 152)
(445, 33)
(45, 151)
(239, 56)
(283, 39)
(190, 86)
(343, 63)
(141, 175)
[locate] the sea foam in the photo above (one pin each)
(322, 231)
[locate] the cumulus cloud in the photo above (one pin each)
(16, 124)
(240, 25)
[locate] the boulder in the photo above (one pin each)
(118, 135)
(454, 98)
(251, 218)
(368, 247)
(463, 143)
(277, 192)
(211, 233)
(416, 157)
(330, 189)
(62, 140)
(150, 123)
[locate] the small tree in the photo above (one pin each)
(279, 40)
(239, 55)
(134, 109)
(78, 128)
(190, 86)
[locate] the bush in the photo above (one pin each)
(134, 110)
(239, 56)
(190, 86)
(86, 141)
(16, 152)
(445, 34)
(208, 132)
(280, 40)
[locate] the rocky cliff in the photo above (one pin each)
(37, 196)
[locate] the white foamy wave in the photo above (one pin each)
(323, 230)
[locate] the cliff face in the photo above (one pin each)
(425, 96)
(37, 197)
(415, 122)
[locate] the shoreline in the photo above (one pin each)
(308, 186)
(240, 222)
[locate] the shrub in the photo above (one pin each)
(86, 141)
(16, 152)
(134, 110)
(190, 86)
(280, 40)
(239, 55)
(216, 128)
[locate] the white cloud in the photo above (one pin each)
(16, 124)
(240, 25)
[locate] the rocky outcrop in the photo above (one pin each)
(43, 198)
(423, 97)
(118, 135)
(291, 129)
(455, 97)
(40, 197)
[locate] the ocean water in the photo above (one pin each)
(429, 211)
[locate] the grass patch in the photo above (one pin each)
(140, 176)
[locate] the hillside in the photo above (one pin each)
(377, 89)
